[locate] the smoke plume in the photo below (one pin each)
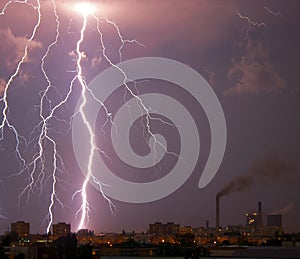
(264, 169)
(284, 210)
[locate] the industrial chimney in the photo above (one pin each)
(259, 214)
(207, 224)
(217, 212)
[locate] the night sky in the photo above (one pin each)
(248, 51)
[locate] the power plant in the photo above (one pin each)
(254, 219)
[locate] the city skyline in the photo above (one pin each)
(160, 239)
(248, 53)
(255, 219)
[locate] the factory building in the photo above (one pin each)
(254, 219)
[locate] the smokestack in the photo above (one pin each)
(207, 224)
(217, 212)
(260, 214)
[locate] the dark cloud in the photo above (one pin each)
(12, 49)
(254, 74)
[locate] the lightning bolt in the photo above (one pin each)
(44, 137)
(44, 121)
(7, 4)
(41, 134)
(5, 120)
(251, 24)
(139, 100)
(272, 12)
(85, 207)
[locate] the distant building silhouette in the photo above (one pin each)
(22, 228)
(85, 232)
(61, 229)
(159, 228)
(186, 229)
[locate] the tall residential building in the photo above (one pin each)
(22, 228)
(61, 229)
(172, 229)
(85, 232)
(156, 228)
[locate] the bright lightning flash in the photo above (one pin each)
(85, 8)
(251, 24)
(36, 167)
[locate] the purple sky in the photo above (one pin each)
(252, 65)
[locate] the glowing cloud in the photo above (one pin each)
(85, 8)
